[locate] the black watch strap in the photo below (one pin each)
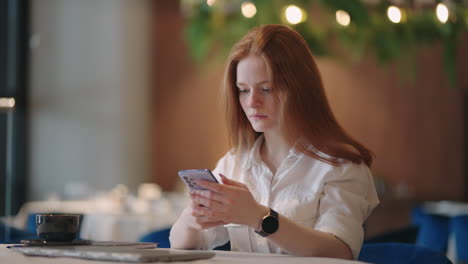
(269, 224)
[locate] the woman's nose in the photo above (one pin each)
(255, 100)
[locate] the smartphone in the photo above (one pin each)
(190, 176)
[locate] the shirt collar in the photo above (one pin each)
(253, 157)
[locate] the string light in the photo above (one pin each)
(294, 15)
(7, 102)
(248, 9)
(343, 18)
(442, 13)
(210, 2)
(394, 14)
(370, 21)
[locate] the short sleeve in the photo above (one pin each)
(347, 200)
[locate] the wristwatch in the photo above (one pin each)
(269, 224)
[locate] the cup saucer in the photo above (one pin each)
(43, 243)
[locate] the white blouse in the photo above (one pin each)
(312, 193)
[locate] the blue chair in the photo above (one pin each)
(160, 236)
(11, 235)
(400, 253)
(31, 223)
(417, 215)
(459, 226)
(434, 232)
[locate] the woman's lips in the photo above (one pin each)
(258, 117)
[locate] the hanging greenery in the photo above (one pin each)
(339, 28)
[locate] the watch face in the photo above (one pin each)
(270, 225)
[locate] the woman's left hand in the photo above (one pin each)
(230, 202)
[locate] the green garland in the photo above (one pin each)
(212, 30)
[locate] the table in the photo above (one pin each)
(228, 257)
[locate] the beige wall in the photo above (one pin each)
(89, 95)
(414, 127)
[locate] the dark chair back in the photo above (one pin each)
(434, 232)
(400, 253)
(9, 234)
(459, 225)
(160, 236)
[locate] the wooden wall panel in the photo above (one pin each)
(415, 127)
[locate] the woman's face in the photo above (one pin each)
(255, 94)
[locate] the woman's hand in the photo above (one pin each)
(230, 202)
(195, 220)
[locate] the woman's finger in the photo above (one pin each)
(212, 186)
(230, 182)
(209, 215)
(209, 195)
(208, 203)
(194, 208)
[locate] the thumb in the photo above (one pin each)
(230, 182)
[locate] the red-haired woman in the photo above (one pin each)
(295, 182)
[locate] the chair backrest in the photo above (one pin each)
(9, 234)
(417, 214)
(459, 225)
(400, 253)
(434, 232)
(160, 236)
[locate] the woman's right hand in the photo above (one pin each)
(197, 221)
(186, 231)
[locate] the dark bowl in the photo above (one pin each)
(57, 227)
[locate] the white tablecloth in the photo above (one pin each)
(11, 256)
(122, 227)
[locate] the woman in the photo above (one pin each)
(294, 181)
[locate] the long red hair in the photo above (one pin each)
(305, 113)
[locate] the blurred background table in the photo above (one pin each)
(112, 216)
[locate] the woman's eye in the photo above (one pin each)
(241, 91)
(267, 90)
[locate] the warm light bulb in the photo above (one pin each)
(294, 14)
(210, 2)
(7, 102)
(442, 12)
(343, 18)
(248, 9)
(394, 14)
